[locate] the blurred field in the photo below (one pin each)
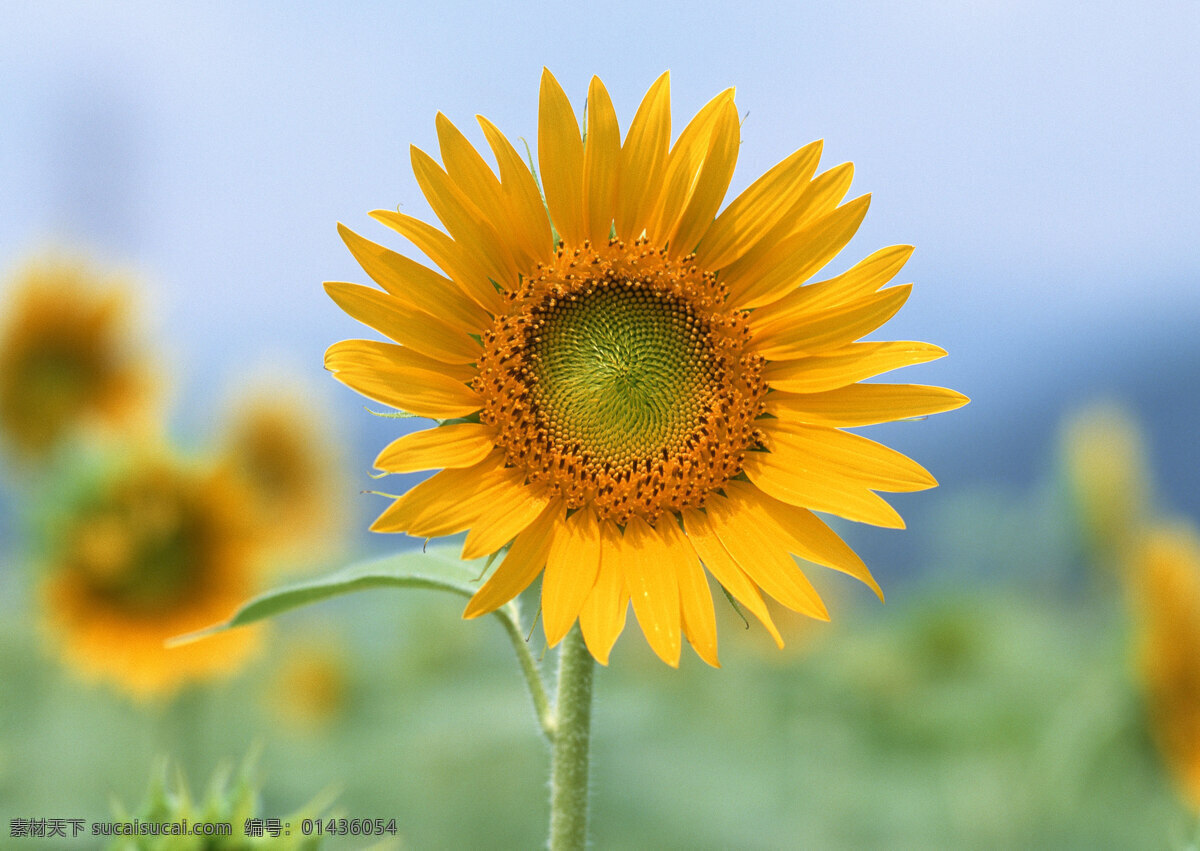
(982, 715)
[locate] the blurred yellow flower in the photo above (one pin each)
(1166, 586)
(66, 359)
(310, 687)
(154, 550)
(629, 384)
(1105, 464)
(280, 447)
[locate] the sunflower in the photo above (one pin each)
(278, 446)
(65, 357)
(1166, 589)
(631, 384)
(149, 551)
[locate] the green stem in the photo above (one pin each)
(569, 766)
(529, 667)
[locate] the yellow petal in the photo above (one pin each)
(711, 183)
(464, 221)
(695, 600)
(818, 198)
(426, 394)
(684, 164)
(602, 617)
(501, 522)
(571, 568)
(653, 589)
(478, 182)
(471, 276)
(864, 404)
(644, 159)
(601, 165)
(763, 556)
(523, 562)
(371, 354)
(449, 501)
(521, 191)
(830, 329)
(758, 209)
(416, 285)
(806, 535)
(805, 486)
(844, 366)
(840, 454)
(862, 279)
(725, 570)
(455, 445)
(426, 334)
(560, 156)
(798, 257)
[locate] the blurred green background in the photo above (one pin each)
(1040, 157)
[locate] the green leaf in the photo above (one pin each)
(437, 569)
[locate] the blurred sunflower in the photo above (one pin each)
(65, 357)
(280, 448)
(629, 384)
(150, 551)
(1166, 588)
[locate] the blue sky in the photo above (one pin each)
(1040, 156)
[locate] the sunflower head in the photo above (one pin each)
(65, 357)
(148, 551)
(1166, 585)
(635, 389)
(279, 447)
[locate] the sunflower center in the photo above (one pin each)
(620, 381)
(620, 370)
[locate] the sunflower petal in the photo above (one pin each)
(757, 210)
(449, 501)
(761, 551)
(571, 568)
(725, 570)
(695, 600)
(711, 183)
(807, 536)
(841, 454)
(801, 486)
(601, 164)
(368, 354)
(684, 165)
(414, 284)
(523, 562)
(464, 221)
(418, 391)
(863, 278)
(864, 404)
(455, 445)
(832, 328)
(501, 522)
(472, 277)
(475, 180)
(653, 589)
(528, 214)
(602, 616)
(560, 155)
(798, 257)
(427, 334)
(847, 365)
(644, 159)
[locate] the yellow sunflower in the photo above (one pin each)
(633, 385)
(65, 356)
(152, 551)
(1166, 588)
(281, 449)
